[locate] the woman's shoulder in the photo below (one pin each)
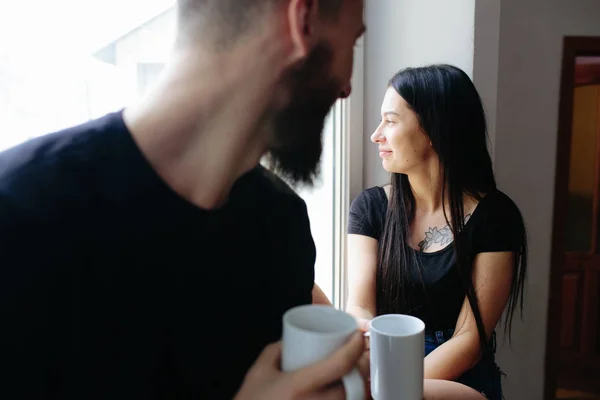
(498, 224)
(498, 205)
(376, 196)
(367, 212)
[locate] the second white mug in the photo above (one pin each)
(397, 345)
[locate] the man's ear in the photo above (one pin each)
(303, 17)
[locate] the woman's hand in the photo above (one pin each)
(364, 324)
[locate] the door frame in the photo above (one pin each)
(573, 46)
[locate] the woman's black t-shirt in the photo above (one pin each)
(495, 225)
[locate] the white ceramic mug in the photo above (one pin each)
(312, 333)
(397, 345)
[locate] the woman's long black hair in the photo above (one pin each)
(451, 113)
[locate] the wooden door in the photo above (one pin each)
(580, 314)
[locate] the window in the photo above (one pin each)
(320, 202)
(60, 69)
(147, 75)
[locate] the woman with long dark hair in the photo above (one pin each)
(441, 242)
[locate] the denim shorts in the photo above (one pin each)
(485, 377)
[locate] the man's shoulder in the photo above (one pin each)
(276, 184)
(45, 166)
(268, 191)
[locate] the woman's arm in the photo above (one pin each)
(362, 265)
(492, 279)
(437, 389)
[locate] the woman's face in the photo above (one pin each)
(402, 142)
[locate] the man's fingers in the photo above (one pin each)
(364, 365)
(333, 392)
(271, 355)
(324, 373)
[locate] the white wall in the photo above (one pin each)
(485, 60)
(403, 33)
(530, 54)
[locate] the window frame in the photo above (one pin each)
(348, 115)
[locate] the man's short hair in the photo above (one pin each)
(330, 8)
(223, 21)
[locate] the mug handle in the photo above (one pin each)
(354, 385)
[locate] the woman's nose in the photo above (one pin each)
(377, 137)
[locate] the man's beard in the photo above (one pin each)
(295, 153)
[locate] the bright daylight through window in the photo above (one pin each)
(72, 60)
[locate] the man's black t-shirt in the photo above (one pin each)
(112, 286)
(496, 225)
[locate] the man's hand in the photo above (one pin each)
(321, 381)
